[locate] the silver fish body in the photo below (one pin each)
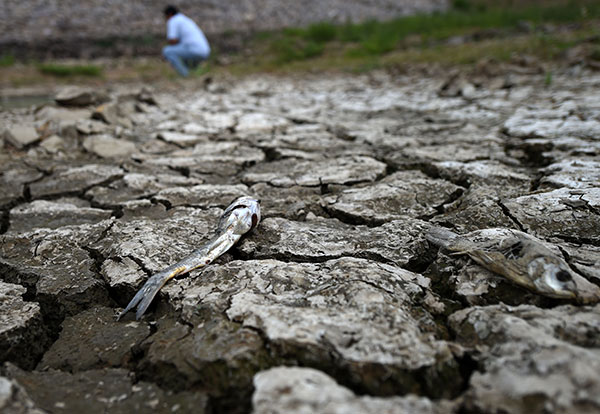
(523, 259)
(239, 218)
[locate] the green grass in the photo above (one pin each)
(7, 60)
(202, 69)
(373, 38)
(109, 42)
(69, 70)
(595, 54)
(286, 50)
(547, 47)
(321, 32)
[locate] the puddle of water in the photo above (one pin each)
(25, 101)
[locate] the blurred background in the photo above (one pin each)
(108, 40)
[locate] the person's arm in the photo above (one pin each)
(172, 32)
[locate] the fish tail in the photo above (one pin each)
(146, 294)
(133, 303)
(441, 236)
(151, 288)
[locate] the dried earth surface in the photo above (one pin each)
(336, 302)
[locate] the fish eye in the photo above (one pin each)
(563, 276)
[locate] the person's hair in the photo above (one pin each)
(170, 10)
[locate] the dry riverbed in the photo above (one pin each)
(336, 302)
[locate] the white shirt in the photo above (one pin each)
(187, 32)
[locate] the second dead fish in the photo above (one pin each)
(523, 259)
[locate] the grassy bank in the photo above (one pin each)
(64, 71)
(470, 31)
(377, 38)
(428, 37)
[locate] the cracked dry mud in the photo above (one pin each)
(336, 302)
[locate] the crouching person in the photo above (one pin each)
(187, 45)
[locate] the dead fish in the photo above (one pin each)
(239, 218)
(523, 259)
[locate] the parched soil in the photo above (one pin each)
(336, 302)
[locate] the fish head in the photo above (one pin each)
(241, 216)
(253, 206)
(551, 276)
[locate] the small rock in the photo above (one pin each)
(308, 143)
(565, 213)
(107, 147)
(531, 354)
(90, 126)
(400, 241)
(293, 203)
(283, 390)
(145, 95)
(219, 121)
(13, 180)
(550, 123)
(76, 96)
(572, 173)
(123, 275)
(113, 114)
(181, 139)
(134, 186)
(223, 158)
(585, 258)
(208, 123)
(101, 391)
(468, 91)
(63, 116)
(194, 128)
(156, 146)
(74, 179)
(406, 193)
(462, 152)
(21, 136)
(286, 173)
(53, 144)
(14, 399)
(134, 209)
(204, 195)
(54, 265)
(215, 352)
(52, 214)
(478, 208)
(169, 125)
(23, 335)
(457, 85)
(492, 174)
(259, 122)
(94, 339)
